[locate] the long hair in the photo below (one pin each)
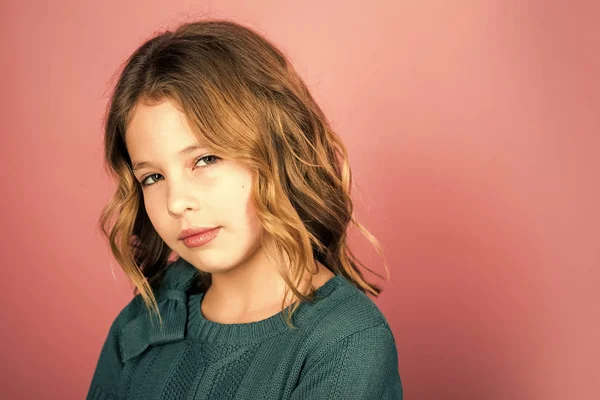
(243, 98)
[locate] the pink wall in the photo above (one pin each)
(473, 132)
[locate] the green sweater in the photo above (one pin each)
(343, 349)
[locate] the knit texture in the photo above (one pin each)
(343, 348)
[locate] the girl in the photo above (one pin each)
(224, 160)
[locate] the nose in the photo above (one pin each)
(181, 197)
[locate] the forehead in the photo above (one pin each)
(158, 127)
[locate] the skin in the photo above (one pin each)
(203, 189)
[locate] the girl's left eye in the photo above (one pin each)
(215, 158)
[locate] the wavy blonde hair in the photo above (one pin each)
(243, 98)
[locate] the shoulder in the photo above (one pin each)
(110, 361)
(349, 349)
(127, 313)
(345, 313)
(345, 309)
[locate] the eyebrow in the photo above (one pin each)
(141, 164)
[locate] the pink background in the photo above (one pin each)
(473, 135)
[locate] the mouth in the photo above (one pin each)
(194, 231)
(201, 238)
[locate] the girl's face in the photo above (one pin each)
(186, 186)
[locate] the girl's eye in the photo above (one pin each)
(143, 181)
(210, 158)
(214, 158)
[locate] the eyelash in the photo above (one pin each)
(217, 159)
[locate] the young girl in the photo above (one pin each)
(225, 161)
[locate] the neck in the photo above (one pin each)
(252, 291)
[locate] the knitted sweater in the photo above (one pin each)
(342, 348)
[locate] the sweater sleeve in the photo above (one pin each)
(105, 381)
(361, 366)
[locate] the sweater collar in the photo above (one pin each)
(177, 309)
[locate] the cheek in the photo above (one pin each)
(235, 204)
(155, 215)
(251, 218)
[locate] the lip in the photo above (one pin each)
(200, 238)
(193, 231)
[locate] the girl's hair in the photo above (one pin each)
(243, 98)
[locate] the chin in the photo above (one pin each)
(205, 262)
